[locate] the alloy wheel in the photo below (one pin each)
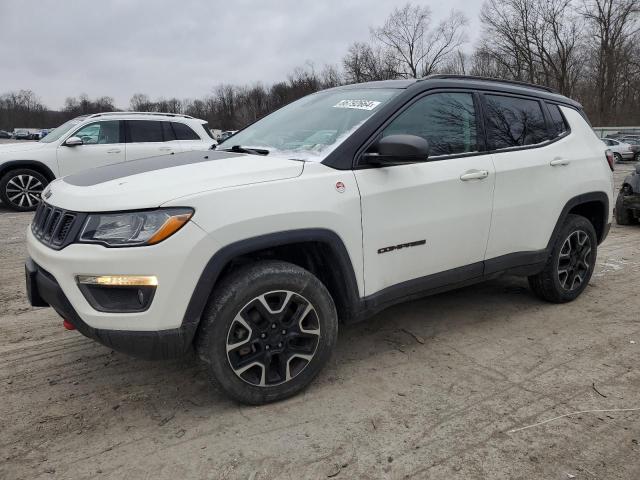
(24, 190)
(574, 262)
(273, 338)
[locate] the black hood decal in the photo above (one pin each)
(107, 173)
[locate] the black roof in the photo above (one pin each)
(469, 81)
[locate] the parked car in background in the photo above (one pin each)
(93, 141)
(634, 141)
(329, 210)
(21, 134)
(226, 134)
(4, 134)
(621, 151)
(42, 133)
(628, 201)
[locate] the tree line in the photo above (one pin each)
(586, 49)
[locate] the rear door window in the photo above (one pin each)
(167, 132)
(184, 132)
(514, 122)
(144, 131)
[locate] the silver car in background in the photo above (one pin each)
(621, 150)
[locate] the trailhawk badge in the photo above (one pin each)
(47, 193)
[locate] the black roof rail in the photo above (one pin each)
(489, 79)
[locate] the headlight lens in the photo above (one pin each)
(129, 229)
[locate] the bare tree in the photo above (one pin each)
(365, 63)
(614, 27)
(417, 48)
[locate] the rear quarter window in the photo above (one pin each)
(207, 129)
(184, 132)
(558, 121)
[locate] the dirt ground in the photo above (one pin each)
(430, 389)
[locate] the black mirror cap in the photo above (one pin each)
(400, 148)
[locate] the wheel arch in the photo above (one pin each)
(320, 251)
(32, 164)
(594, 206)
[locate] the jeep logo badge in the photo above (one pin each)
(47, 193)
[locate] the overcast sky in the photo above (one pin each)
(179, 48)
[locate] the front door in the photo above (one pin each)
(102, 145)
(430, 217)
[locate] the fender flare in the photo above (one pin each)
(13, 164)
(222, 257)
(600, 197)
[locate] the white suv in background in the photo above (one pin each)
(330, 209)
(93, 141)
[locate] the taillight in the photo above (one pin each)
(610, 159)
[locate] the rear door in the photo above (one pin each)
(429, 217)
(103, 144)
(534, 166)
(150, 138)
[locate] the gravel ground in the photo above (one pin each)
(429, 389)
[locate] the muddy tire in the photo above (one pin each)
(570, 264)
(268, 330)
(623, 215)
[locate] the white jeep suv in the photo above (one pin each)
(330, 209)
(93, 141)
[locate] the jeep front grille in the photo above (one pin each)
(54, 226)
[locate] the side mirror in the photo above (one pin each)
(73, 142)
(398, 149)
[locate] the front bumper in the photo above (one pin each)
(43, 290)
(165, 329)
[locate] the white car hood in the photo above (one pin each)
(21, 147)
(150, 182)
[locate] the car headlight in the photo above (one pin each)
(128, 229)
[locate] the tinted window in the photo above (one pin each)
(183, 132)
(557, 119)
(167, 132)
(514, 122)
(144, 131)
(446, 120)
(100, 133)
(207, 129)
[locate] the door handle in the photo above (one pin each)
(474, 175)
(114, 150)
(559, 162)
(165, 149)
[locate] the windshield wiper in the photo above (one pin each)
(249, 150)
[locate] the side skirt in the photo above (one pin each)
(521, 263)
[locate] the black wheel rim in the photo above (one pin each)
(24, 190)
(574, 260)
(273, 338)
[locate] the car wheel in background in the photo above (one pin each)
(617, 157)
(570, 264)
(20, 189)
(268, 330)
(623, 215)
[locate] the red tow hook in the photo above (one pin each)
(68, 325)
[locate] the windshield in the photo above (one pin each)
(56, 133)
(310, 128)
